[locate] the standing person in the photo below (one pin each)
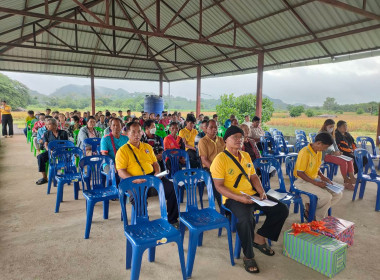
(255, 132)
(346, 143)
(6, 119)
(226, 170)
(188, 135)
(146, 164)
(209, 147)
(88, 131)
(307, 170)
(52, 133)
(332, 155)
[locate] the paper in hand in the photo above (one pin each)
(162, 174)
(263, 203)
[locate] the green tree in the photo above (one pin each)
(309, 113)
(241, 106)
(359, 111)
(296, 111)
(330, 104)
(15, 93)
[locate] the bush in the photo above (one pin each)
(359, 111)
(309, 113)
(296, 111)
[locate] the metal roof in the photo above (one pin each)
(134, 39)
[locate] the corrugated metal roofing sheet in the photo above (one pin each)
(269, 26)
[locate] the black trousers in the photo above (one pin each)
(275, 219)
(7, 120)
(194, 160)
(42, 159)
(171, 200)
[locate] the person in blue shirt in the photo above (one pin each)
(227, 124)
(106, 146)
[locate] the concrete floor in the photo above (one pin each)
(36, 243)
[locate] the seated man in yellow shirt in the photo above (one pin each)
(209, 147)
(230, 181)
(188, 135)
(137, 158)
(307, 171)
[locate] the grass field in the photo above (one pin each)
(358, 125)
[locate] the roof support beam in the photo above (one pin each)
(56, 37)
(161, 89)
(92, 91)
(85, 9)
(353, 9)
(143, 15)
(175, 16)
(124, 29)
(299, 18)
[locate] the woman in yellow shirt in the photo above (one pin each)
(6, 119)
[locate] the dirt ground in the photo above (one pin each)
(36, 243)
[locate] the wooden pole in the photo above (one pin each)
(92, 91)
(259, 92)
(198, 100)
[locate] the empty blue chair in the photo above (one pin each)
(93, 185)
(267, 133)
(142, 233)
(363, 141)
(312, 137)
(53, 168)
(198, 221)
(94, 143)
(364, 177)
(298, 132)
(290, 162)
(274, 151)
(63, 160)
(265, 164)
(300, 144)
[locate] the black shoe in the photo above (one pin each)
(176, 225)
(41, 181)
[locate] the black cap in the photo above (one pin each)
(232, 130)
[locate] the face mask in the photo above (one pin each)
(153, 130)
(330, 130)
(72, 122)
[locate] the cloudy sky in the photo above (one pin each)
(349, 82)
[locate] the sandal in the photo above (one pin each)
(264, 248)
(251, 264)
(41, 181)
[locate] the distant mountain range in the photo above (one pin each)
(81, 91)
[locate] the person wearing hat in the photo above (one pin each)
(231, 182)
(255, 132)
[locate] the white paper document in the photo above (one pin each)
(335, 187)
(162, 174)
(265, 202)
(277, 195)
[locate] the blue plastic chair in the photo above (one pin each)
(290, 162)
(53, 167)
(363, 141)
(63, 160)
(94, 143)
(264, 164)
(298, 132)
(312, 137)
(364, 177)
(275, 151)
(198, 221)
(93, 186)
(268, 134)
(143, 234)
(174, 155)
(330, 168)
(300, 145)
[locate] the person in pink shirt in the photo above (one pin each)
(165, 120)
